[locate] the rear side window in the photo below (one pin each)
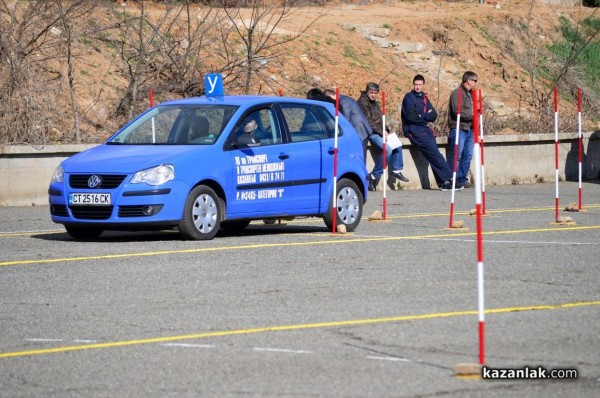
(329, 122)
(304, 123)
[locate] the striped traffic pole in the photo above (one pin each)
(482, 152)
(335, 161)
(478, 207)
(580, 148)
(556, 174)
(151, 95)
(384, 214)
(455, 159)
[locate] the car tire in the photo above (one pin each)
(83, 233)
(349, 206)
(201, 215)
(235, 225)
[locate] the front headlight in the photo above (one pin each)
(58, 175)
(155, 175)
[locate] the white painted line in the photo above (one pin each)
(282, 350)
(84, 341)
(394, 359)
(188, 345)
(45, 340)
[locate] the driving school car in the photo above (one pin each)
(200, 164)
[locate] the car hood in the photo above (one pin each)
(128, 158)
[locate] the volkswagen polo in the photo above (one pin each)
(205, 163)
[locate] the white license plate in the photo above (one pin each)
(90, 199)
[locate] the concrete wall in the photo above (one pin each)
(25, 171)
(513, 159)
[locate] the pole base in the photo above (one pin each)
(574, 207)
(457, 225)
(562, 220)
(470, 371)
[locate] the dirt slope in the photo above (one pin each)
(351, 44)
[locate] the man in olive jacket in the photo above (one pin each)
(465, 130)
(372, 110)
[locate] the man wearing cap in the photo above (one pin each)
(372, 110)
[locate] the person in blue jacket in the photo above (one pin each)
(417, 112)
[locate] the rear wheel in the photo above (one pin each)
(83, 233)
(349, 206)
(201, 215)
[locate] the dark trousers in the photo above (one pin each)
(423, 139)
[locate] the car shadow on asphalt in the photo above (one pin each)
(173, 235)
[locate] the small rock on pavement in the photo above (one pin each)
(376, 215)
(341, 229)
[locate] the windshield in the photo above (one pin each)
(177, 125)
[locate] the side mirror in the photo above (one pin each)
(247, 140)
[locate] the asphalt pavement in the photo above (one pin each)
(293, 310)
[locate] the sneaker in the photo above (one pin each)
(447, 186)
(459, 187)
(398, 175)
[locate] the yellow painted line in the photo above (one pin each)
(316, 219)
(285, 328)
(332, 241)
(29, 233)
(488, 211)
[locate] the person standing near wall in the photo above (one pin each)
(465, 141)
(372, 110)
(417, 112)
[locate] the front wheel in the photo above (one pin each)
(201, 214)
(349, 206)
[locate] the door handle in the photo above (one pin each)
(283, 156)
(331, 151)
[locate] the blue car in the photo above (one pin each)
(200, 164)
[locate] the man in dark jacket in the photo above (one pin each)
(465, 130)
(351, 111)
(372, 110)
(417, 112)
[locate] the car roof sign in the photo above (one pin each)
(213, 85)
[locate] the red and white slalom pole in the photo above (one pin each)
(556, 174)
(482, 152)
(384, 150)
(455, 158)
(478, 206)
(151, 96)
(335, 161)
(580, 149)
